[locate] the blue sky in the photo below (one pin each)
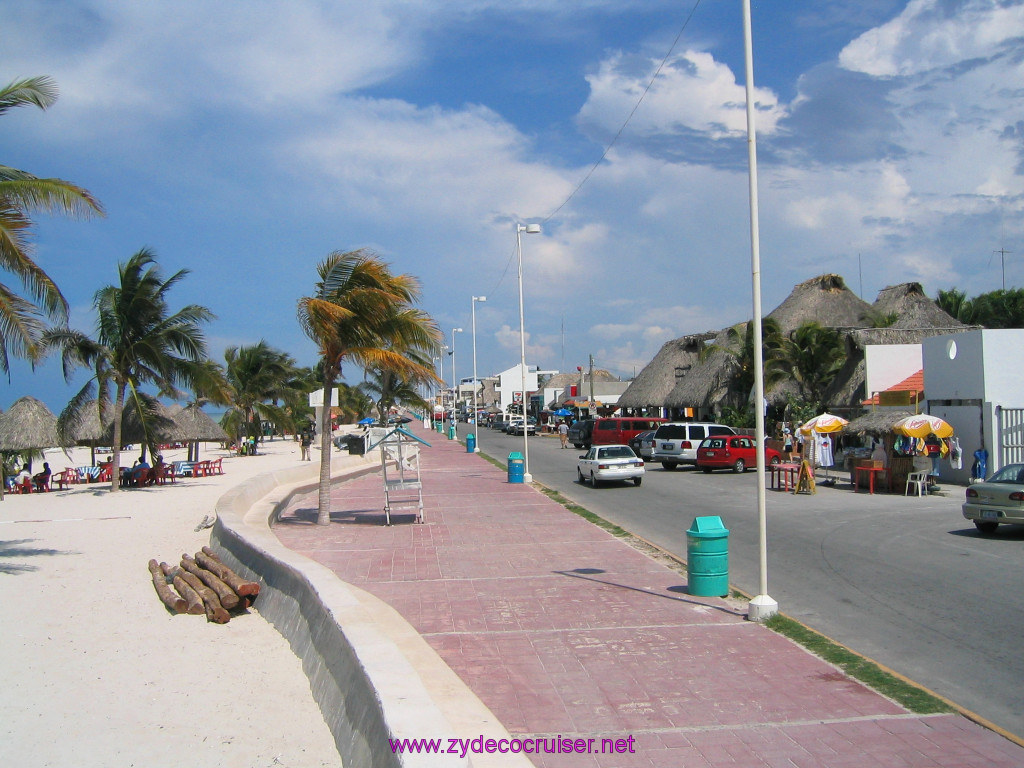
(247, 140)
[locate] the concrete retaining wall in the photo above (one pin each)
(371, 673)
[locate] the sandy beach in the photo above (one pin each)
(97, 672)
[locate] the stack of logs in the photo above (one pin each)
(203, 584)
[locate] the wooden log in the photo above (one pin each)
(242, 587)
(224, 593)
(175, 602)
(195, 602)
(215, 612)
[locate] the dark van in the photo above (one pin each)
(619, 430)
(579, 433)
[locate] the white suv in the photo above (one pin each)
(676, 443)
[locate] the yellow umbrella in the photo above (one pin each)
(825, 422)
(923, 425)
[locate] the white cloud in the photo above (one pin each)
(693, 92)
(926, 36)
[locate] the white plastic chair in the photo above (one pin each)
(919, 477)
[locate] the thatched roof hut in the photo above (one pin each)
(651, 387)
(192, 424)
(825, 300)
(913, 309)
(28, 425)
(876, 423)
(159, 427)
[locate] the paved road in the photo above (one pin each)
(905, 581)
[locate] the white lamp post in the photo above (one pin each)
(530, 229)
(455, 380)
(433, 394)
(476, 382)
(762, 607)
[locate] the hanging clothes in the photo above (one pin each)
(823, 449)
(956, 455)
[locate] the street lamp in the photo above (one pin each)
(455, 384)
(433, 392)
(530, 229)
(763, 606)
(476, 382)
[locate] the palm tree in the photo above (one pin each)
(138, 341)
(21, 194)
(361, 312)
(811, 355)
(353, 403)
(259, 376)
(391, 391)
(741, 348)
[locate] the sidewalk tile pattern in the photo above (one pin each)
(563, 630)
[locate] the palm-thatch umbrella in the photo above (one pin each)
(28, 426)
(195, 426)
(156, 427)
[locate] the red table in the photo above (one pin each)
(871, 472)
(783, 474)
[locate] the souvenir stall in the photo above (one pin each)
(905, 449)
(819, 443)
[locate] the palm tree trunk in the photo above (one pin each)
(323, 516)
(115, 466)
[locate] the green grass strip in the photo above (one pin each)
(904, 692)
(900, 690)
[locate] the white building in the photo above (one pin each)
(973, 381)
(510, 385)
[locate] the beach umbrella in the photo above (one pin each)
(28, 426)
(562, 412)
(922, 425)
(825, 422)
(194, 425)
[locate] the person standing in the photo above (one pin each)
(787, 443)
(305, 442)
(563, 433)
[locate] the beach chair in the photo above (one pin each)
(215, 467)
(69, 476)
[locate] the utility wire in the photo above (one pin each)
(618, 134)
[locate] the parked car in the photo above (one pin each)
(1000, 499)
(735, 452)
(610, 462)
(676, 443)
(516, 426)
(580, 432)
(499, 424)
(619, 430)
(643, 444)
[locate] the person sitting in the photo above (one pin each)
(139, 473)
(157, 470)
(41, 481)
(23, 480)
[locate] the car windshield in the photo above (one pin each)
(1011, 473)
(616, 452)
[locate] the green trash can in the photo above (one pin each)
(451, 430)
(470, 443)
(516, 467)
(707, 557)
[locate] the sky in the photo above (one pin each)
(245, 141)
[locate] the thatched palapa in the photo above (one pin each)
(825, 300)
(194, 425)
(876, 423)
(651, 387)
(28, 426)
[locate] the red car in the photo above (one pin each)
(735, 452)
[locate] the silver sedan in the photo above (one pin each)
(610, 462)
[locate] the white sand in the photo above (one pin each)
(94, 671)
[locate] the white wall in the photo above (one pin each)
(889, 364)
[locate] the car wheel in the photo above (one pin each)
(985, 526)
(593, 480)
(669, 465)
(637, 480)
(579, 476)
(706, 470)
(739, 466)
(775, 460)
(579, 446)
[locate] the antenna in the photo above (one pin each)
(1002, 260)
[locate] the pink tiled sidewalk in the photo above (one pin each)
(561, 629)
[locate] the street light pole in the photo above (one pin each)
(476, 382)
(530, 229)
(761, 607)
(455, 384)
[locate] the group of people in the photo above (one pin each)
(37, 482)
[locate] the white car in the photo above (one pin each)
(610, 462)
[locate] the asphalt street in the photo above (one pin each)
(905, 581)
